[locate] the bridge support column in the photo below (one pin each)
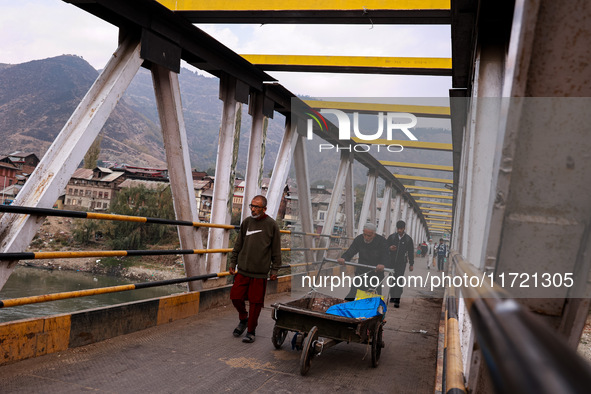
(256, 153)
(350, 199)
(223, 188)
(370, 195)
(335, 202)
(281, 168)
(68, 149)
(168, 100)
(384, 222)
(300, 160)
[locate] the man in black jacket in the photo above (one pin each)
(373, 250)
(401, 251)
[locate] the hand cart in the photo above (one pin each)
(319, 331)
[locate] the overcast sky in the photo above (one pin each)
(38, 29)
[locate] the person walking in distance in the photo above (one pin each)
(401, 251)
(256, 253)
(441, 254)
(430, 253)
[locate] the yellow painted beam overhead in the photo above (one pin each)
(445, 221)
(427, 210)
(351, 61)
(431, 196)
(434, 189)
(286, 5)
(435, 167)
(407, 144)
(423, 178)
(418, 110)
(443, 215)
(434, 202)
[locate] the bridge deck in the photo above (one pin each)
(199, 354)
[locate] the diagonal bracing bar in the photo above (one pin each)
(67, 151)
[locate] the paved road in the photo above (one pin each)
(199, 355)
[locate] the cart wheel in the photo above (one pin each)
(308, 350)
(278, 337)
(376, 346)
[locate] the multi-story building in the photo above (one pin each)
(92, 190)
(24, 162)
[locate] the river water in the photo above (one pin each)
(29, 281)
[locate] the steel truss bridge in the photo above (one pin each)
(516, 203)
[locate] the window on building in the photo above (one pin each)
(70, 191)
(100, 194)
(75, 192)
(106, 195)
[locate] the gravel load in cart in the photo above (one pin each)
(320, 321)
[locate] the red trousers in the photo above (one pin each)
(253, 290)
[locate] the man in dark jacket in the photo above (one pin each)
(401, 251)
(373, 250)
(257, 252)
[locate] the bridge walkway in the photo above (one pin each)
(199, 354)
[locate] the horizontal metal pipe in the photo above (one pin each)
(103, 290)
(104, 253)
(106, 216)
(126, 253)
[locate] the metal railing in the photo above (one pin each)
(523, 355)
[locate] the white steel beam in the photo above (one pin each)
(53, 172)
(397, 212)
(168, 100)
(281, 168)
(370, 188)
(223, 187)
(335, 202)
(385, 211)
(256, 153)
(350, 198)
(300, 160)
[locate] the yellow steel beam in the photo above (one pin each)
(427, 210)
(431, 196)
(447, 204)
(288, 5)
(426, 111)
(435, 189)
(435, 167)
(353, 64)
(440, 146)
(437, 214)
(424, 179)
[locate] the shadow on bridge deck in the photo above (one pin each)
(199, 354)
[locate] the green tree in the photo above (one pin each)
(91, 157)
(141, 201)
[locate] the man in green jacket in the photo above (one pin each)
(257, 252)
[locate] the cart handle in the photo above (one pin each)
(359, 265)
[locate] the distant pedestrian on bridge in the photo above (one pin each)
(442, 252)
(401, 252)
(257, 252)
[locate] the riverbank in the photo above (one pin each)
(56, 234)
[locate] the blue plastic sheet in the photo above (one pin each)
(360, 309)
